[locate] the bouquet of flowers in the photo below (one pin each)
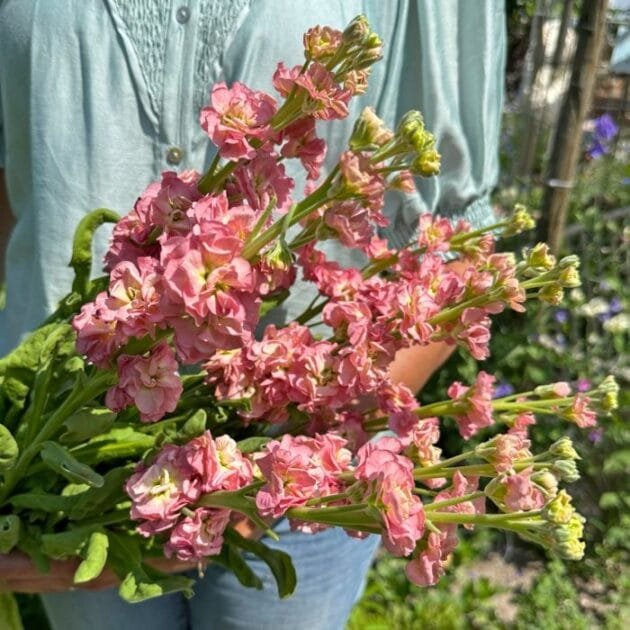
(153, 408)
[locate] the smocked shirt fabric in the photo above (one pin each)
(98, 97)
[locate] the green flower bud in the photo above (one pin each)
(520, 221)
(559, 510)
(426, 164)
(540, 258)
(409, 125)
(568, 538)
(357, 32)
(551, 293)
(566, 470)
(563, 448)
(570, 278)
(609, 390)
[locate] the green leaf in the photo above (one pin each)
(94, 560)
(68, 543)
(278, 561)
(9, 532)
(87, 423)
(42, 501)
(195, 425)
(139, 581)
(9, 613)
(252, 444)
(232, 559)
(61, 461)
(100, 500)
(9, 450)
(81, 260)
(118, 443)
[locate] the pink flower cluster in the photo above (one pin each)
(176, 479)
(428, 562)
(476, 404)
(302, 469)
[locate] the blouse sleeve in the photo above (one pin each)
(448, 61)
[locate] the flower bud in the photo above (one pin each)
(369, 130)
(552, 294)
(547, 482)
(426, 164)
(561, 389)
(357, 32)
(321, 43)
(566, 470)
(563, 448)
(496, 490)
(520, 221)
(567, 538)
(410, 124)
(609, 390)
(569, 278)
(559, 510)
(540, 258)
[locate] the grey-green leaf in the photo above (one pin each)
(61, 461)
(9, 532)
(95, 558)
(8, 449)
(87, 423)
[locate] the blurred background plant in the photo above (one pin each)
(496, 580)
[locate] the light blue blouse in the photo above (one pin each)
(98, 97)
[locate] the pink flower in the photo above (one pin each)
(428, 567)
(219, 463)
(475, 332)
(478, 401)
(361, 179)
(302, 143)
(168, 204)
(98, 332)
(236, 116)
(521, 494)
(434, 233)
(325, 99)
(581, 413)
(151, 383)
(199, 536)
(159, 491)
(391, 484)
(260, 180)
(298, 469)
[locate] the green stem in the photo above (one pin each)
(438, 505)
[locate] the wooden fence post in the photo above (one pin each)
(568, 136)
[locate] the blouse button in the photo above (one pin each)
(182, 15)
(174, 155)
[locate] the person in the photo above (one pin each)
(98, 97)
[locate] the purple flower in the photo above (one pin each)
(596, 435)
(561, 315)
(615, 306)
(583, 385)
(561, 340)
(605, 128)
(503, 389)
(597, 150)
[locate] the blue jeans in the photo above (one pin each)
(331, 569)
